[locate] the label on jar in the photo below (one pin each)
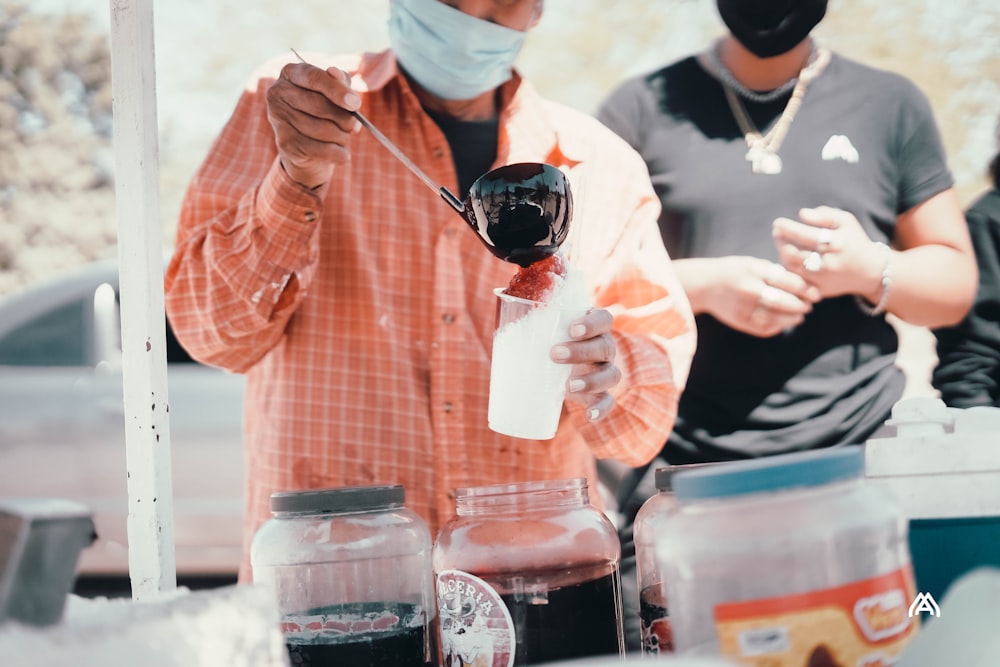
(863, 624)
(476, 627)
(654, 621)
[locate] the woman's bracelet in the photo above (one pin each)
(883, 297)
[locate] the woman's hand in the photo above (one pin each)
(591, 349)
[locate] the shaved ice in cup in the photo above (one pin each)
(535, 311)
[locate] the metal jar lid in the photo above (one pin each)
(338, 500)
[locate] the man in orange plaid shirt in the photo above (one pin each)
(361, 308)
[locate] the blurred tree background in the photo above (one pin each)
(56, 175)
(56, 188)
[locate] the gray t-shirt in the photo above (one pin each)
(863, 140)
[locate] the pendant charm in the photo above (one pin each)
(763, 161)
(770, 163)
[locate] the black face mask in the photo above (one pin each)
(769, 28)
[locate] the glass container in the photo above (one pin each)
(351, 570)
(526, 574)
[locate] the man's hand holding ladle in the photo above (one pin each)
(311, 111)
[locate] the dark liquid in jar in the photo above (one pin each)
(572, 622)
(363, 634)
(402, 649)
(657, 636)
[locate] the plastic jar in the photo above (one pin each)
(654, 623)
(788, 560)
(528, 573)
(351, 569)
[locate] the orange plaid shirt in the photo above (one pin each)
(362, 313)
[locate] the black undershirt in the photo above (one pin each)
(473, 146)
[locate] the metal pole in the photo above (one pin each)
(152, 565)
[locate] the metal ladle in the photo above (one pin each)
(521, 212)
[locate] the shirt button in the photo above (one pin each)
(449, 232)
(451, 495)
(448, 318)
(438, 153)
(310, 216)
(447, 407)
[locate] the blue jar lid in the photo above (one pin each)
(772, 473)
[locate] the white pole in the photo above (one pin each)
(152, 567)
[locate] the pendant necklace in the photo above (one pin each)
(762, 153)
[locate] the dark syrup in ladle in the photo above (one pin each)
(521, 212)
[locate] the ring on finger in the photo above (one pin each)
(824, 240)
(768, 296)
(813, 262)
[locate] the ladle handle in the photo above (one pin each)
(445, 193)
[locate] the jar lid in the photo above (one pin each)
(663, 476)
(341, 499)
(772, 473)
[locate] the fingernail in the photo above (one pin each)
(577, 330)
(560, 352)
(593, 414)
(576, 384)
(352, 102)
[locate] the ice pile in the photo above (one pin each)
(236, 626)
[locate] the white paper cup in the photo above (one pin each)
(527, 388)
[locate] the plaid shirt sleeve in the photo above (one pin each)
(247, 246)
(621, 249)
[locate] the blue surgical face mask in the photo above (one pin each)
(449, 53)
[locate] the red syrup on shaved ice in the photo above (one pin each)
(539, 280)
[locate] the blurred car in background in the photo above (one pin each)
(62, 426)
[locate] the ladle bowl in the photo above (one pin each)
(521, 212)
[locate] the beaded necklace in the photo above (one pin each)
(763, 149)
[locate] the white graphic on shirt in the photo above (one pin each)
(840, 147)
